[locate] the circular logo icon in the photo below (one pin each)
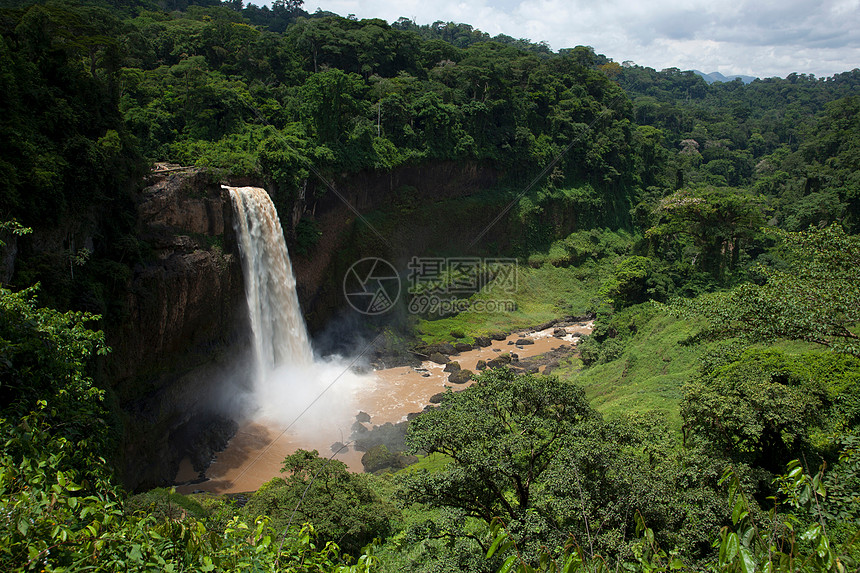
(371, 286)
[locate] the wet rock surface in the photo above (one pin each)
(460, 376)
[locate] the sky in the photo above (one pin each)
(762, 38)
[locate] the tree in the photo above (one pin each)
(717, 219)
(331, 101)
(763, 406)
(634, 280)
(502, 433)
(530, 451)
(44, 359)
(343, 506)
(815, 297)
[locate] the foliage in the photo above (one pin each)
(525, 418)
(816, 297)
(43, 360)
(765, 406)
(63, 137)
(635, 280)
(716, 220)
(770, 543)
(528, 449)
(343, 506)
(753, 543)
(75, 520)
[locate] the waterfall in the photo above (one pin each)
(312, 397)
(280, 335)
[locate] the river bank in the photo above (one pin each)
(255, 454)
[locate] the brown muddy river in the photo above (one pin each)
(255, 454)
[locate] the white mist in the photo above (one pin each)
(314, 398)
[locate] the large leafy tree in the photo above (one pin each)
(528, 449)
(503, 434)
(764, 407)
(343, 506)
(714, 221)
(44, 362)
(63, 141)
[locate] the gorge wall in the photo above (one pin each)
(177, 323)
(418, 209)
(182, 350)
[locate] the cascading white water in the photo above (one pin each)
(291, 387)
(280, 335)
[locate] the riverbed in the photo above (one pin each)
(255, 454)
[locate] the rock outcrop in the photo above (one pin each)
(180, 353)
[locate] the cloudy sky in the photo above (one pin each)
(763, 38)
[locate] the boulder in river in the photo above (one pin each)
(452, 366)
(444, 348)
(460, 376)
(439, 358)
(359, 428)
(499, 361)
(483, 341)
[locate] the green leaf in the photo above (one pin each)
(508, 564)
(747, 563)
(738, 511)
(499, 544)
(731, 545)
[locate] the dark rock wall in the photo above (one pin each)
(179, 360)
(421, 200)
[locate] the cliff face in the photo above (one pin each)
(425, 214)
(177, 360)
(180, 361)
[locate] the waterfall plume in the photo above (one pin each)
(291, 386)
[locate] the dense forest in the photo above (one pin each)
(709, 423)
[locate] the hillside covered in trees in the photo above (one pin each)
(709, 423)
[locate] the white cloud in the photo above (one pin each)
(764, 38)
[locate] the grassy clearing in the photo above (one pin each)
(431, 462)
(541, 294)
(648, 375)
